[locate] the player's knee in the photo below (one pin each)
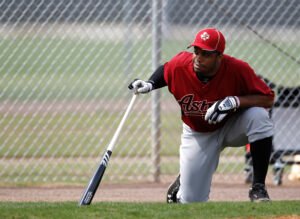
(258, 114)
(260, 124)
(255, 115)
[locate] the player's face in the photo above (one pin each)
(206, 62)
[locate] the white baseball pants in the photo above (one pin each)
(199, 152)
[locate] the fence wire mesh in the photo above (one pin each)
(65, 67)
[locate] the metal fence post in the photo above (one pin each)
(155, 99)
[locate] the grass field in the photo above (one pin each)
(219, 210)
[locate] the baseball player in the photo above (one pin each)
(223, 103)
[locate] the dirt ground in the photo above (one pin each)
(146, 192)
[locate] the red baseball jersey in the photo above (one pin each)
(234, 78)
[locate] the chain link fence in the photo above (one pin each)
(65, 67)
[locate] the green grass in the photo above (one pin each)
(47, 68)
(107, 210)
(53, 134)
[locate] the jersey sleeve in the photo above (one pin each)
(253, 84)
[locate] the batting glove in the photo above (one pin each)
(140, 87)
(220, 109)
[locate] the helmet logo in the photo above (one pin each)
(205, 36)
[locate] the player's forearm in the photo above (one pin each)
(256, 100)
(157, 78)
(155, 81)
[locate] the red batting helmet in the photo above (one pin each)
(210, 39)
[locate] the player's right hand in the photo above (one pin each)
(140, 87)
(220, 109)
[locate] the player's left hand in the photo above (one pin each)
(220, 109)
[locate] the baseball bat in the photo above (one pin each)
(93, 185)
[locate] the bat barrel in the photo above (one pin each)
(91, 189)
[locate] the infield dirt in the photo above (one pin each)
(144, 192)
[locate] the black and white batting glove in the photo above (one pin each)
(140, 87)
(220, 109)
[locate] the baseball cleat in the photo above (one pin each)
(258, 193)
(173, 190)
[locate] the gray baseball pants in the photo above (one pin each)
(199, 152)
